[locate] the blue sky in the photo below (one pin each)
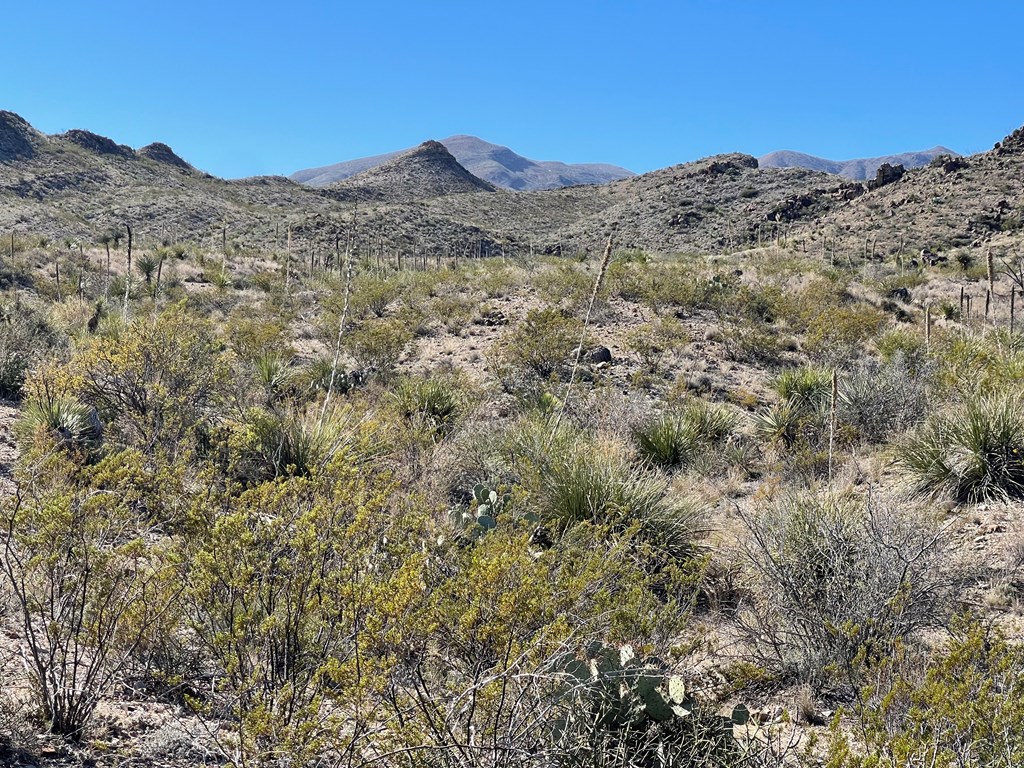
(250, 88)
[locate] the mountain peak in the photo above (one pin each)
(162, 153)
(493, 163)
(93, 142)
(428, 170)
(858, 169)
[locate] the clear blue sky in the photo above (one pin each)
(250, 88)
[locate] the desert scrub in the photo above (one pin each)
(963, 708)
(970, 452)
(839, 582)
(970, 364)
(655, 345)
(372, 295)
(89, 575)
(155, 384)
(540, 345)
(25, 337)
(376, 345)
(681, 437)
(877, 401)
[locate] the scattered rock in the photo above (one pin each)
(600, 355)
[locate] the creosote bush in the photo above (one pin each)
(840, 581)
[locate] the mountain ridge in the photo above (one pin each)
(856, 169)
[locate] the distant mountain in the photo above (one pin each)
(491, 162)
(427, 171)
(858, 169)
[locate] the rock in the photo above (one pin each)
(600, 355)
(887, 174)
(16, 137)
(902, 294)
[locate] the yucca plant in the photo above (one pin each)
(62, 417)
(974, 451)
(273, 372)
(806, 389)
(147, 265)
(677, 438)
(433, 404)
(295, 443)
(590, 485)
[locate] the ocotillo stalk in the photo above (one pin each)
(988, 301)
(832, 420)
(56, 269)
(288, 263)
(991, 271)
(12, 249)
(928, 327)
(1013, 308)
(583, 334)
(128, 273)
(341, 332)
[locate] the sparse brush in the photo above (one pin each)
(974, 451)
(876, 401)
(840, 581)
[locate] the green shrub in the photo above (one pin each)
(377, 345)
(973, 451)
(964, 708)
(542, 344)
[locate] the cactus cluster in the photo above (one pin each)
(482, 514)
(618, 690)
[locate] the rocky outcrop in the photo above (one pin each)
(162, 153)
(887, 174)
(17, 137)
(93, 142)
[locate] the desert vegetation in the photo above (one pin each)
(301, 506)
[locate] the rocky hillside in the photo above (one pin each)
(860, 169)
(79, 185)
(427, 171)
(950, 203)
(491, 162)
